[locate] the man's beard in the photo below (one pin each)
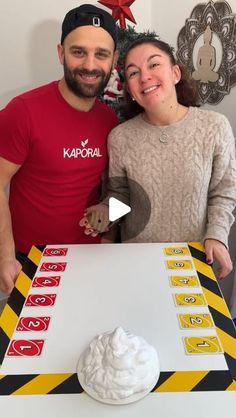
(81, 89)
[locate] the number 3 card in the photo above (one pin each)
(189, 299)
(41, 300)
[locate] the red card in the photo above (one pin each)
(50, 281)
(28, 348)
(53, 267)
(30, 323)
(41, 300)
(55, 252)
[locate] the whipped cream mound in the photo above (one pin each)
(117, 365)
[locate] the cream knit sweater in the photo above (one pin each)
(190, 181)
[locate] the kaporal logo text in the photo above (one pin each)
(82, 152)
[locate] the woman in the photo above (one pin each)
(172, 162)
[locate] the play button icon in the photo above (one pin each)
(117, 209)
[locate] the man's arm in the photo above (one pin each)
(9, 266)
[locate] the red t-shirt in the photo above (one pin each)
(62, 153)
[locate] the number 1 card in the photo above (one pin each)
(202, 345)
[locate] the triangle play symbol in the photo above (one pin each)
(117, 209)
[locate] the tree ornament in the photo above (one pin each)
(120, 10)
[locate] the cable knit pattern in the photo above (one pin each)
(190, 180)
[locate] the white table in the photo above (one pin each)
(102, 287)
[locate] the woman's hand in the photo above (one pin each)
(95, 220)
(216, 251)
(98, 217)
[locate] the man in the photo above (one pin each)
(53, 144)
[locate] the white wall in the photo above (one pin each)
(30, 31)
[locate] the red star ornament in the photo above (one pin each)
(120, 10)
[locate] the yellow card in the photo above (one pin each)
(179, 264)
(199, 320)
(182, 281)
(202, 345)
(176, 251)
(189, 299)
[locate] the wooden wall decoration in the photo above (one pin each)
(206, 46)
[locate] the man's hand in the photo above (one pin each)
(215, 250)
(9, 270)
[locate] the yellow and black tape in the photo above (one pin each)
(224, 325)
(12, 310)
(191, 381)
(181, 381)
(33, 384)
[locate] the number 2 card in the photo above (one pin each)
(30, 323)
(199, 320)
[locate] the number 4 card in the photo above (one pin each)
(50, 281)
(184, 281)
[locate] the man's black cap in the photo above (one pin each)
(87, 14)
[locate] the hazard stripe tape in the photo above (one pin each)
(224, 325)
(213, 300)
(35, 253)
(181, 381)
(214, 380)
(189, 381)
(12, 309)
(210, 285)
(50, 383)
(70, 385)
